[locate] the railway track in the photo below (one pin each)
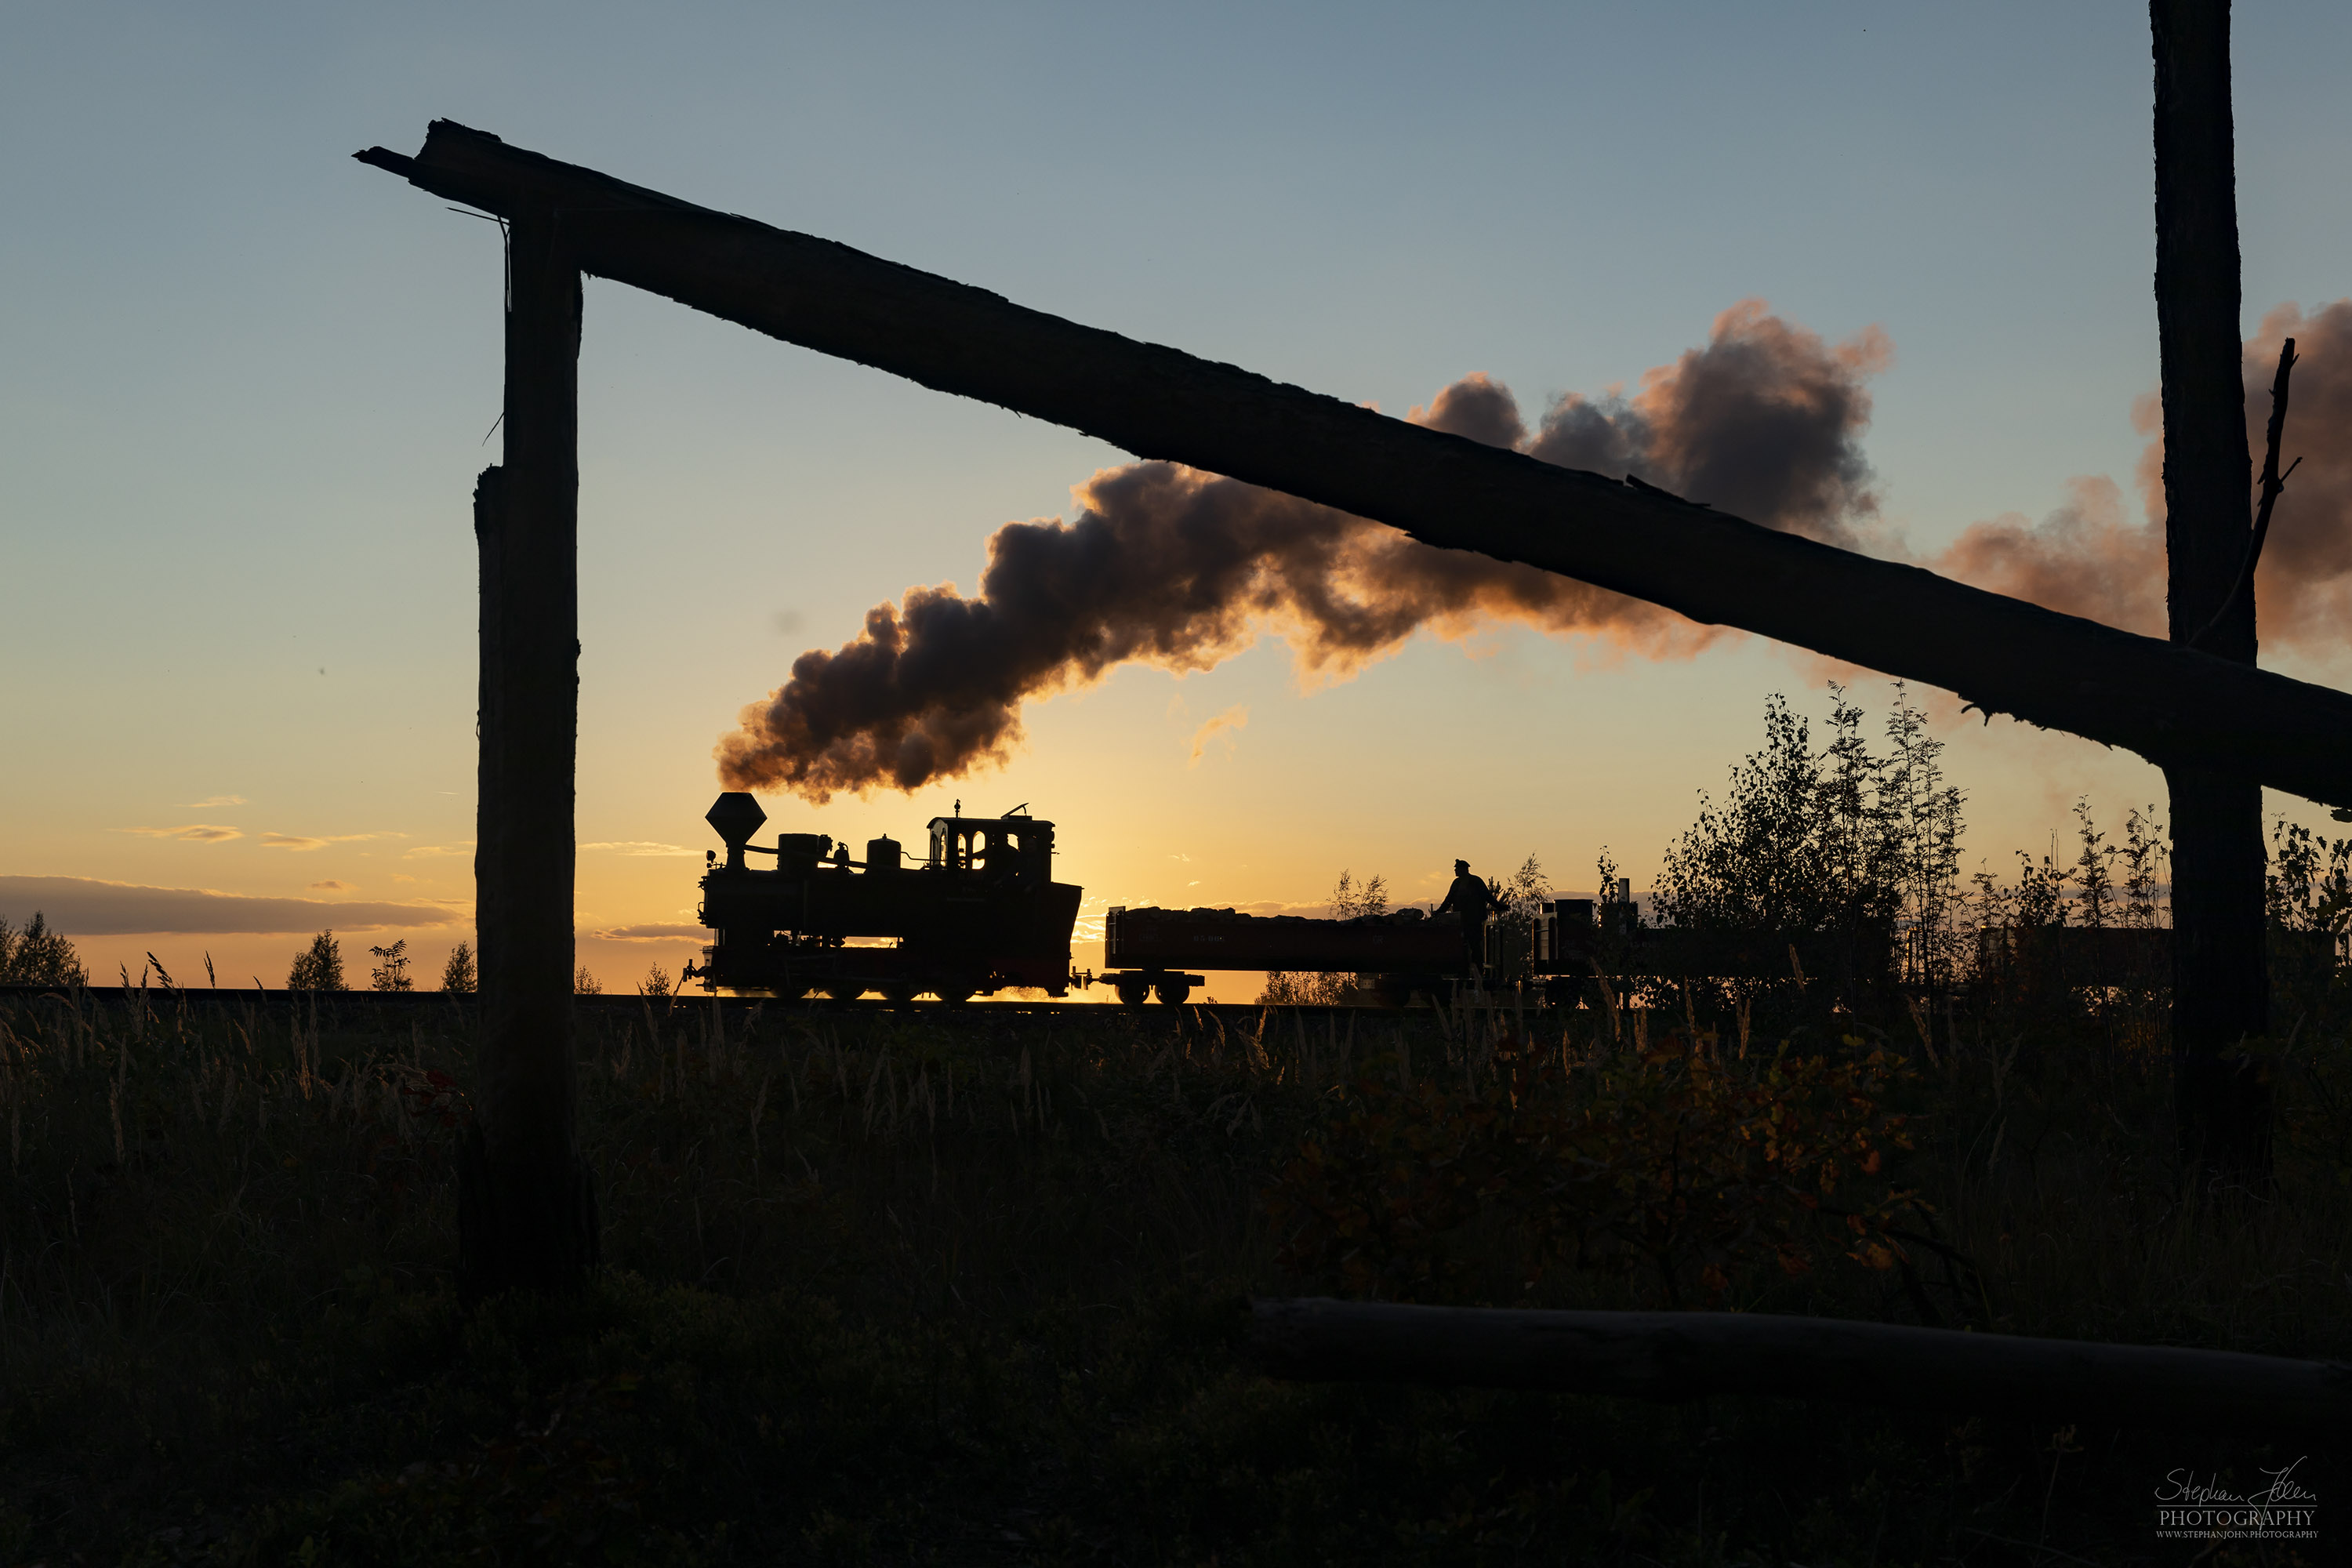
(339, 1005)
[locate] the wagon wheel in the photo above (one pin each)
(898, 992)
(845, 989)
(1133, 990)
(1173, 991)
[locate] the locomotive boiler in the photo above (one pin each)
(979, 912)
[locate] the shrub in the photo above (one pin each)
(1672, 1169)
(1350, 900)
(2308, 892)
(319, 967)
(457, 975)
(38, 956)
(391, 971)
(1839, 847)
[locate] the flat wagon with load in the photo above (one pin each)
(1148, 952)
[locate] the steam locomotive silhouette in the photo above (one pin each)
(981, 913)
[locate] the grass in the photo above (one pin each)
(964, 1290)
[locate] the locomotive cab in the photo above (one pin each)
(1015, 850)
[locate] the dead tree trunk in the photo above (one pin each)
(526, 1212)
(2221, 986)
(2172, 704)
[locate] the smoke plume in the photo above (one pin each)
(1173, 567)
(1765, 423)
(1181, 569)
(2088, 558)
(1225, 723)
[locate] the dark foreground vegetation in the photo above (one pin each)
(957, 1287)
(894, 1291)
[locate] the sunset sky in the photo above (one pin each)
(248, 384)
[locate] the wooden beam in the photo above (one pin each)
(1677, 1356)
(525, 1211)
(2169, 703)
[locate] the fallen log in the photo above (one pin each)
(1677, 1356)
(2169, 703)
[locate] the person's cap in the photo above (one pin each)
(1462, 865)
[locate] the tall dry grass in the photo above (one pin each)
(892, 1286)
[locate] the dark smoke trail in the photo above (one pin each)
(2088, 558)
(1764, 423)
(2304, 587)
(1181, 569)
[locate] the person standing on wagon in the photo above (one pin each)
(1470, 898)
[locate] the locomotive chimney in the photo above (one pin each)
(736, 816)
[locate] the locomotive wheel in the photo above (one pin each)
(1133, 990)
(1173, 991)
(956, 990)
(899, 995)
(845, 989)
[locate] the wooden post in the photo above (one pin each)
(2170, 703)
(526, 1211)
(2220, 985)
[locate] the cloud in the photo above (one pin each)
(331, 886)
(84, 906)
(193, 833)
(207, 804)
(653, 932)
(640, 847)
(300, 843)
(1225, 723)
(434, 851)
